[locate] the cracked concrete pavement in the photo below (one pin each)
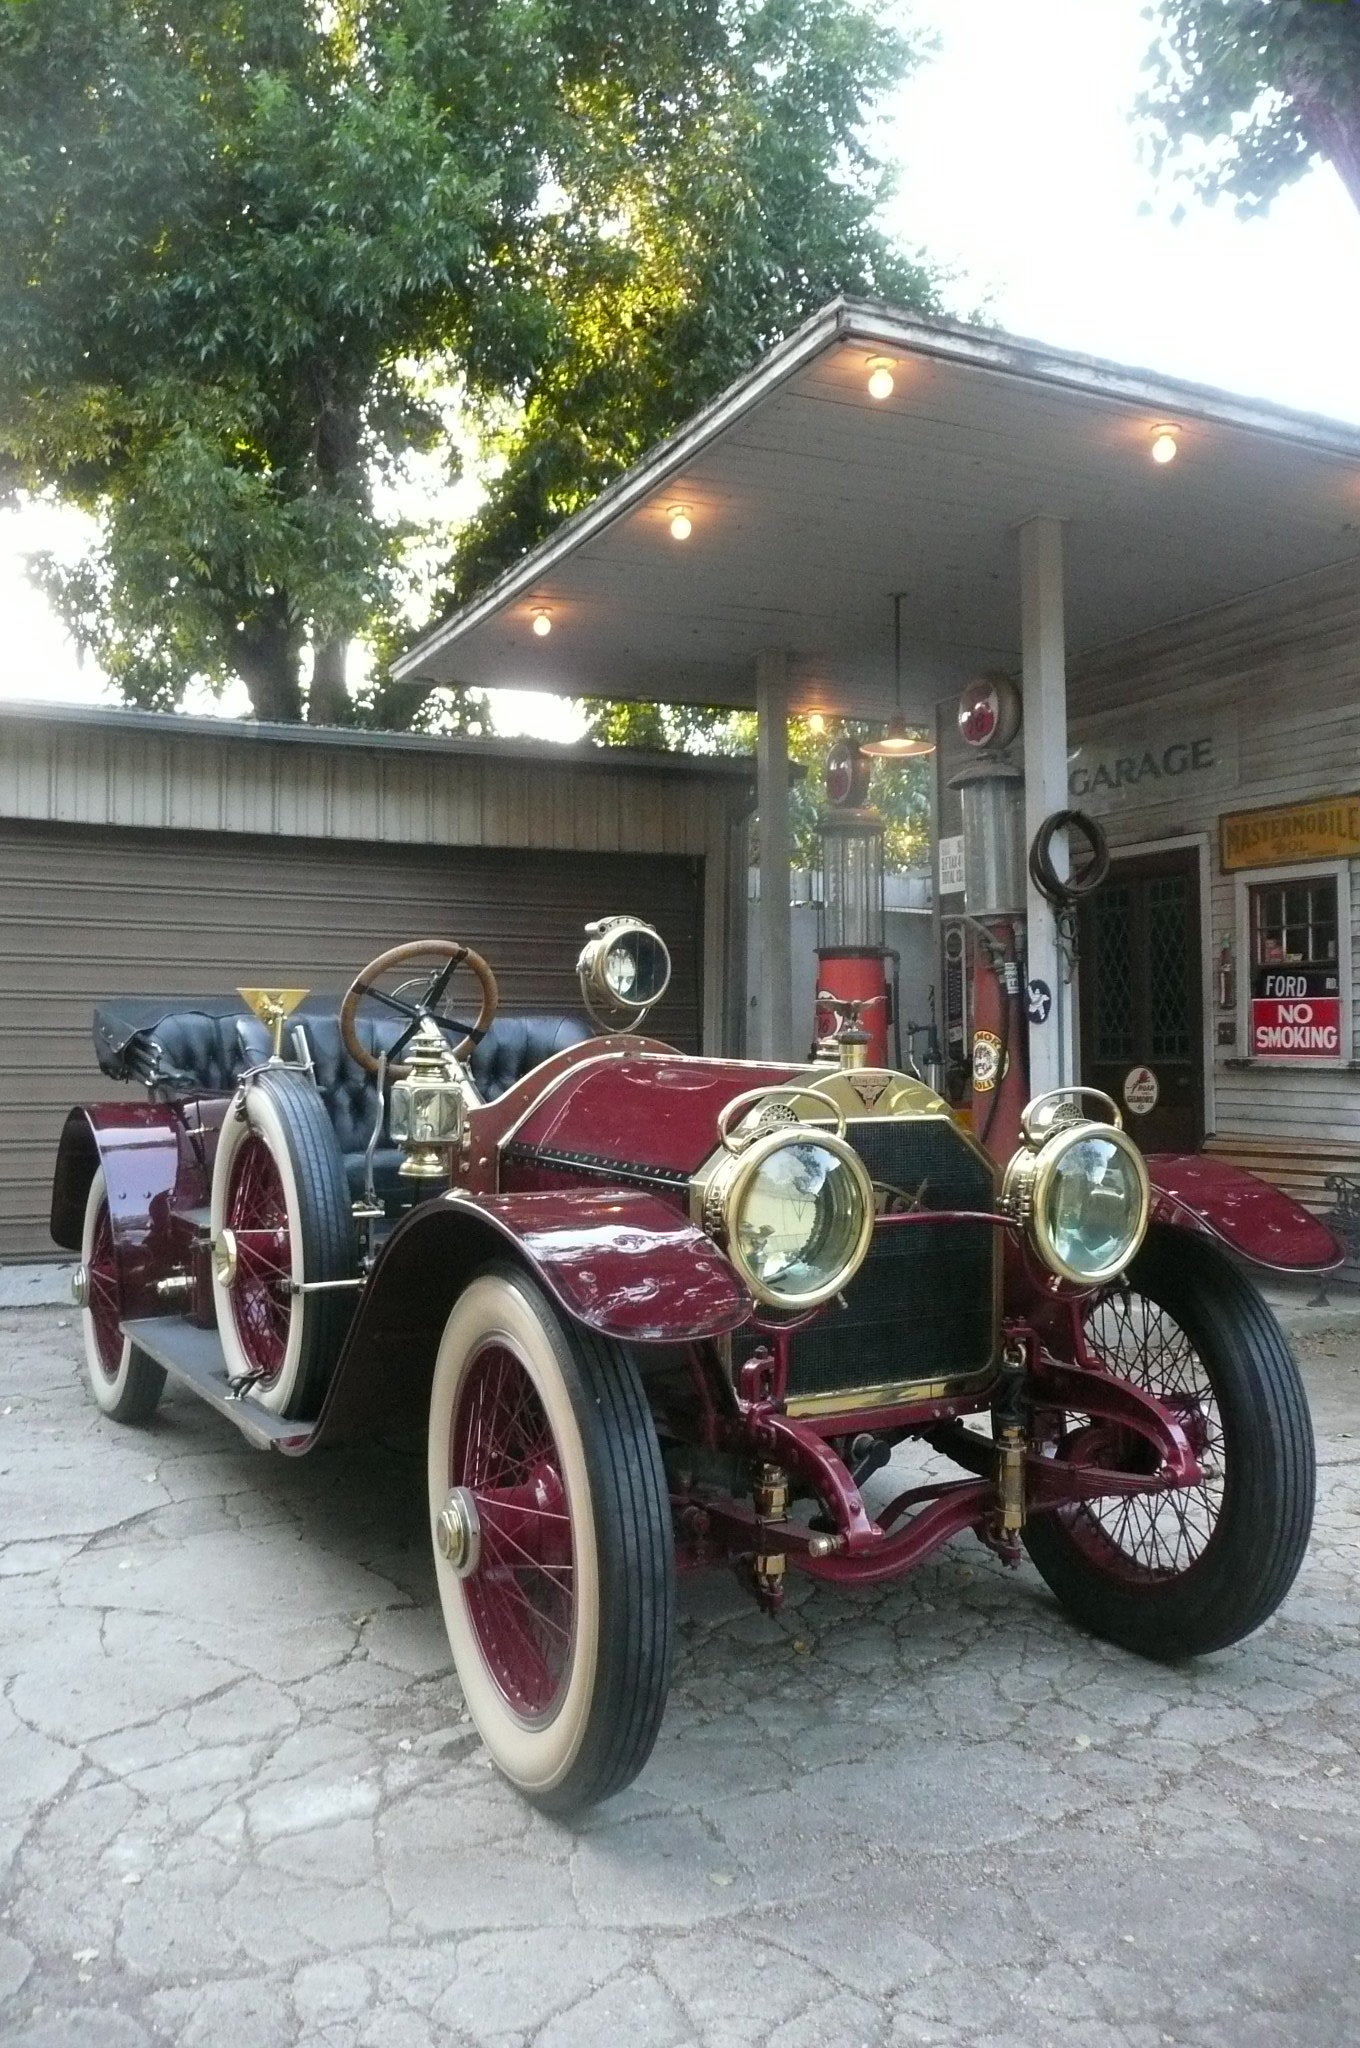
(240, 1803)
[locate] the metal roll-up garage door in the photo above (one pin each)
(87, 913)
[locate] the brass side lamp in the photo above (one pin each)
(428, 1107)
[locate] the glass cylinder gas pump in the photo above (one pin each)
(852, 953)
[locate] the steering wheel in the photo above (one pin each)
(428, 1003)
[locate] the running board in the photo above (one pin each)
(193, 1356)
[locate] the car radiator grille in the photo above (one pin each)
(923, 1305)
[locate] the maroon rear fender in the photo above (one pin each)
(620, 1261)
(136, 1143)
(1257, 1221)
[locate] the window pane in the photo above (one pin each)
(1294, 924)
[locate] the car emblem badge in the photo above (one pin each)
(868, 1086)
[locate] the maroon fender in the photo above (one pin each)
(619, 1261)
(138, 1146)
(1254, 1219)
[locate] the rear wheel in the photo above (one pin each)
(1176, 1573)
(124, 1381)
(281, 1217)
(552, 1531)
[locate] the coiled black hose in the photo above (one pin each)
(1065, 892)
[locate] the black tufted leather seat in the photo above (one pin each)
(193, 1052)
(514, 1046)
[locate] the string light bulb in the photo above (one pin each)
(682, 526)
(1165, 443)
(542, 618)
(881, 376)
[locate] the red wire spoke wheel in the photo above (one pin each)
(551, 1526)
(257, 1215)
(124, 1381)
(522, 1600)
(1146, 1537)
(281, 1220)
(1177, 1571)
(101, 1281)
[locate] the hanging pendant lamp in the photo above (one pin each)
(900, 742)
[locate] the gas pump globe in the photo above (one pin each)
(852, 955)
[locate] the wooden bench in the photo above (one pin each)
(1302, 1167)
(1321, 1173)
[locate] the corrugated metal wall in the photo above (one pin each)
(86, 913)
(181, 856)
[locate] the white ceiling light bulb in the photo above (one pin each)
(1165, 443)
(899, 742)
(816, 722)
(881, 376)
(682, 526)
(542, 622)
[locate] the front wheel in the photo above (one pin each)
(1177, 1573)
(552, 1532)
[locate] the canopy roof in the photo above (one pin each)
(812, 504)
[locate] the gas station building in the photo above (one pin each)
(1169, 577)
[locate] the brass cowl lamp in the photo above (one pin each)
(899, 742)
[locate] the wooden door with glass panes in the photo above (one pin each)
(1141, 998)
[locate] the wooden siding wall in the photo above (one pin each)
(119, 772)
(1289, 660)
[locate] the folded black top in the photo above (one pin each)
(125, 1027)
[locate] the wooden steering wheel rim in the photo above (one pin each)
(398, 956)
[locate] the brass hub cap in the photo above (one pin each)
(458, 1532)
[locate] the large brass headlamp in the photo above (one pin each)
(624, 969)
(427, 1108)
(1079, 1187)
(791, 1203)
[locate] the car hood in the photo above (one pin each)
(655, 1111)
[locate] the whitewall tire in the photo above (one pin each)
(280, 1216)
(124, 1381)
(556, 1573)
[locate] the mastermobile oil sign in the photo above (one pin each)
(1325, 828)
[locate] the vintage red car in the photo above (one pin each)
(657, 1312)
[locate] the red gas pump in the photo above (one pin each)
(853, 960)
(992, 796)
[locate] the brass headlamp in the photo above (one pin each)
(790, 1202)
(428, 1107)
(624, 969)
(1078, 1186)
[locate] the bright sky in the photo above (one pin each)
(1020, 170)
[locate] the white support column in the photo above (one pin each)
(772, 805)
(1044, 683)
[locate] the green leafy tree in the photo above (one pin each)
(259, 254)
(1246, 96)
(900, 792)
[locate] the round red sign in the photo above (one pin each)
(989, 712)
